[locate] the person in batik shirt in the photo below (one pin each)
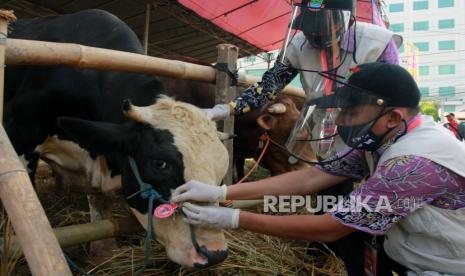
(402, 158)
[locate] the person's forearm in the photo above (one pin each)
(301, 182)
(301, 227)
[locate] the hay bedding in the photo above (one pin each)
(249, 253)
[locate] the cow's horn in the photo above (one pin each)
(137, 113)
(225, 136)
(278, 108)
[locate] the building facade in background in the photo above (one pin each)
(436, 28)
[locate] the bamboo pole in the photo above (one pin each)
(5, 17)
(35, 235)
(22, 52)
(98, 230)
(246, 80)
(93, 231)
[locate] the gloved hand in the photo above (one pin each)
(211, 216)
(218, 112)
(198, 191)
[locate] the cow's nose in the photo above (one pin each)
(210, 257)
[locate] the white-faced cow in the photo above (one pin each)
(171, 142)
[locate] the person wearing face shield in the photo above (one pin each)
(414, 192)
(319, 38)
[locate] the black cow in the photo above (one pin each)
(161, 137)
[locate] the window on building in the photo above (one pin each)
(397, 28)
(445, 3)
(422, 46)
(250, 59)
(446, 69)
(399, 7)
(424, 70)
(424, 91)
(449, 108)
(446, 45)
(421, 26)
(447, 91)
(420, 5)
(446, 24)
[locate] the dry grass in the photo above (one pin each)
(249, 253)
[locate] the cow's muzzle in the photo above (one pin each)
(213, 257)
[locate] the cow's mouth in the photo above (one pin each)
(206, 258)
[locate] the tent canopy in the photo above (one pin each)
(262, 23)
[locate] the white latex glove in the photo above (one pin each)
(197, 191)
(218, 112)
(211, 216)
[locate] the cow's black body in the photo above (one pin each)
(35, 96)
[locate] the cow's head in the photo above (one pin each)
(172, 142)
(278, 120)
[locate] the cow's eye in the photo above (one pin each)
(160, 164)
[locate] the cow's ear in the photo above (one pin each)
(266, 121)
(96, 137)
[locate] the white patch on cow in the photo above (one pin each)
(278, 108)
(69, 159)
(205, 157)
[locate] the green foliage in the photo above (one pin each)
(430, 108)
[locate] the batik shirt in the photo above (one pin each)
(282, 73)
(408, 182)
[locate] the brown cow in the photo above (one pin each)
(277, 120)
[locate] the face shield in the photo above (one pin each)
(330, 124)
(323, 26)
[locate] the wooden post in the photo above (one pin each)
(224, 94)
(35, 235)
(147, 26)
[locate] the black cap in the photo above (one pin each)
(329, 4)
(450, 114)
(312, 20)
(374, 83)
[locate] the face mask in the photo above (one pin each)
(361, 136)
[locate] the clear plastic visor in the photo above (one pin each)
(323, 28)
(315, 134)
